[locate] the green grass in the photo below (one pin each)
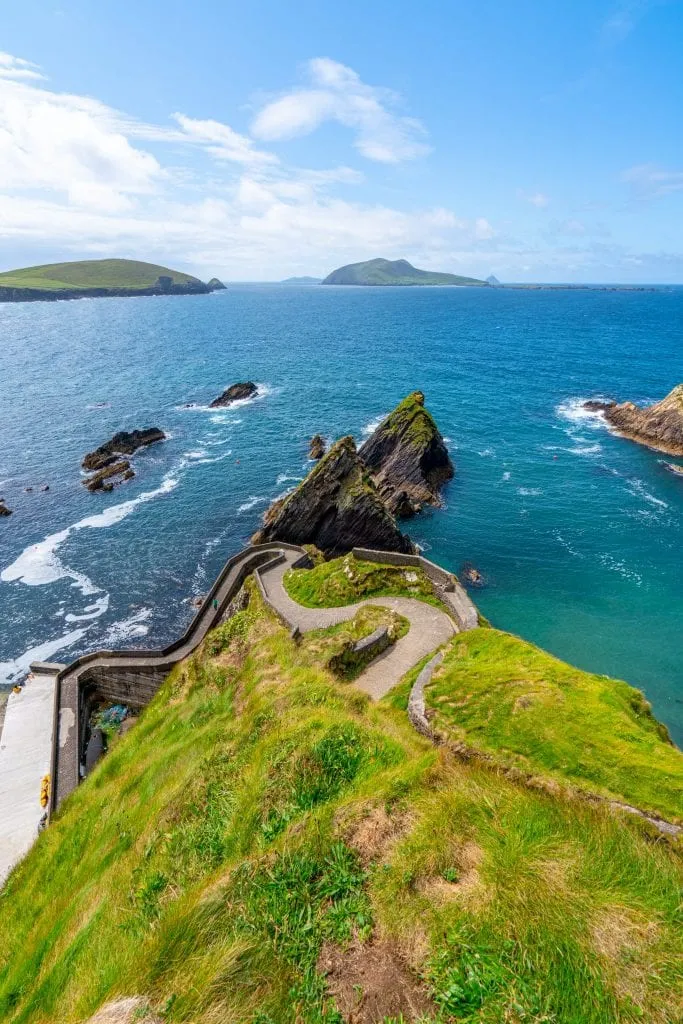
(260, 811)
(347, 580)
(333, 646)
(82, 274)
(513, 700)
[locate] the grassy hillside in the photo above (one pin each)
(267, 846)
(394, 272)
(83, 274)
(506, 697)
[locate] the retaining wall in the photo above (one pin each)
(451, 592)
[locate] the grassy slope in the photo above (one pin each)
(259, 809)
(91, 274)
(507, 697)
(347, 580)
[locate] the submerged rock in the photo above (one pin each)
(408, 458)
(659, 426)
(316, 448)
(673, 468)
(123, 443)
(336, 507)
(235, 393)
(105, 479)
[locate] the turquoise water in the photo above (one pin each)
(577, 532)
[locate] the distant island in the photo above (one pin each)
(302, 280)
(396, 272)
(97, 279)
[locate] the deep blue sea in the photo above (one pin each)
(578, 533)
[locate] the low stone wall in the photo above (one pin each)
(363, 651)
(451, 592)
(417, 712)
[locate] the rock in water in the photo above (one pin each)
(4, 511)
(316, 448)
(123, 443)
(235, 393)
(659, 426)
(407, 457)
(215, 285)
(105, 479)
(336, 507)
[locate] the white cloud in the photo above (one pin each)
(538, 199)
(69, 144)
(648, 181)
(339, 94)
(222, 142)
(15, 67)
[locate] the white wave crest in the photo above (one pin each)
(529, 492)
(251, 503)
(11, 670)
(372, 426)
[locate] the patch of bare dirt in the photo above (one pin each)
(626, 942)
(377, 832)
(132, 1010)
(370, 982)
(466, 884)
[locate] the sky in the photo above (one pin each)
(534, 141)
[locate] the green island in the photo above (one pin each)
(98, 278)
(267, 845)
(396, 272)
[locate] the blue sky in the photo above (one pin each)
(536, 141)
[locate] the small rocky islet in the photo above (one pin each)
(105, 463)
(658, 426)
(354, 496)
(235, 393)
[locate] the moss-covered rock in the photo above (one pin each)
(336, 507)
(408, 458)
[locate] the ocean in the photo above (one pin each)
(577, 532)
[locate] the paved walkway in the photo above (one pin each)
(429, 628)
(25, 754)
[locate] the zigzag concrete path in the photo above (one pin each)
(429, 627)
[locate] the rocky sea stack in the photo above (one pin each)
(336, 507)
(659, 426)
(106, 464)
(408, 458)
(235, 393)
(316, 447)
(352, 498)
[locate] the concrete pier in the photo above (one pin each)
(25, 759)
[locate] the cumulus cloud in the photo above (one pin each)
(648, 181)
(337, 93)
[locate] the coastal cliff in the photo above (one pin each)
(659, 426)
(335, 507)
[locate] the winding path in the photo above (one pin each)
(42, 733)
(429, 627)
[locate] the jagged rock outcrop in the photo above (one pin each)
(124, 443)
(659, 426)
(408, 458)
(105, 479)
(336, 508)
(235, 393)
(316, 448)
